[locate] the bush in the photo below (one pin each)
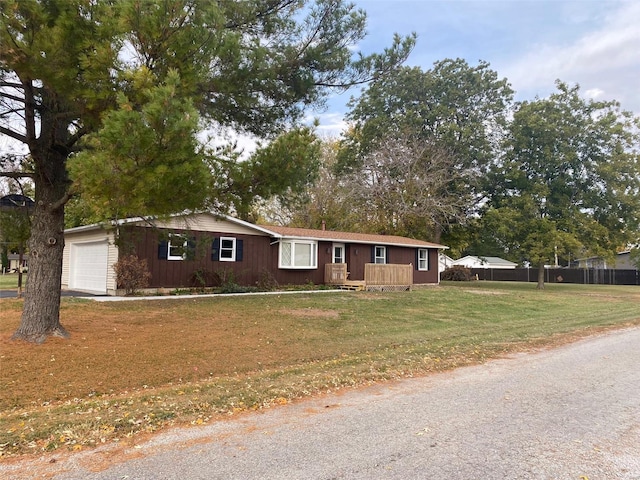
(131, 274)
(203, 278)
(457, 273)
(267, 282)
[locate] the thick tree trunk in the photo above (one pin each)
(540, 277)
(41, 311)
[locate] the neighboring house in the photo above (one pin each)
(444, 261)
(484, 262)
(209, 246)
(622, 261)
(13, 201)
(14, 262)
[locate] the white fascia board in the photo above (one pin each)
(249, 225)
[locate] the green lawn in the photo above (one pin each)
(9, 281)
(134, 367)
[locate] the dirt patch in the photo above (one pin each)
(485, 292)
(311, 313)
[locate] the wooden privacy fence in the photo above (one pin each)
(388, 276)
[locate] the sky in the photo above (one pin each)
(594, 43)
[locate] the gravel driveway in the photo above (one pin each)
(567, 413)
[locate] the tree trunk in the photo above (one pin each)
(540, 277)
(41, 311)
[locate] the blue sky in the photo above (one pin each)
(595, 43)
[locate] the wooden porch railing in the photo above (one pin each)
(335, 273)
(388, 276)
(376, 276)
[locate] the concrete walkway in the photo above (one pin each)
(111, 298)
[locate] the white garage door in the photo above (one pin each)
(88, 267)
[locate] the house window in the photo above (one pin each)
(227, 249)
(380, 254)
(298, 254)
(338, 253)
(177, 247)
(423, 259)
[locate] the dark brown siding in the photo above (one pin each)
(427, 276)
(259, 262)
(181, 273)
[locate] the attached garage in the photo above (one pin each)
(88, 269)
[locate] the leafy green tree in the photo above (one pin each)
(280, 171)
(145, 158)
(453, 107)
(568, 182)
(116, 76)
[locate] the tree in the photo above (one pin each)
(15, 226)
(568, 182)
(15, 230)
(328, 202)
(454, 107)
(406, 186)
(115, 76)
(280, 171)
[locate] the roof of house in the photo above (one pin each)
(15, 201)
(487, 260)
(291, 232)
(368, 238)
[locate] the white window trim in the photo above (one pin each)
(314, 254)
(426, 259)
(376, 257)
(233, 250)
(175, 245)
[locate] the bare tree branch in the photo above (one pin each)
(15, 135)
(17, 175)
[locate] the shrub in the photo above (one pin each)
(267, 282)
(457, 273)
(203, 278)
(131, 274)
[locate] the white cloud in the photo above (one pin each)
(604, 61)
(594, 93)
(331, 124)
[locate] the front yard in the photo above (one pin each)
(138, 366)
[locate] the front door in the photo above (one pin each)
(339, 253)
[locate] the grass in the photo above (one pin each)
(135, 367)
(9, 281)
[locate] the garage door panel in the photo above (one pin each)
(89, 266)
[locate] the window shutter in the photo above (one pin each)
(386, 255)
(417, 264)
(190, 254)
(163, 250)
(215, 249)
(373, 254)
(239, 247)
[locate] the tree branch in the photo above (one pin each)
(60, 203)
(16, 175)
(15, 98)
(12, 134)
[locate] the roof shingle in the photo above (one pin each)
(308, 233)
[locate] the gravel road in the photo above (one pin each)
(568, 413)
